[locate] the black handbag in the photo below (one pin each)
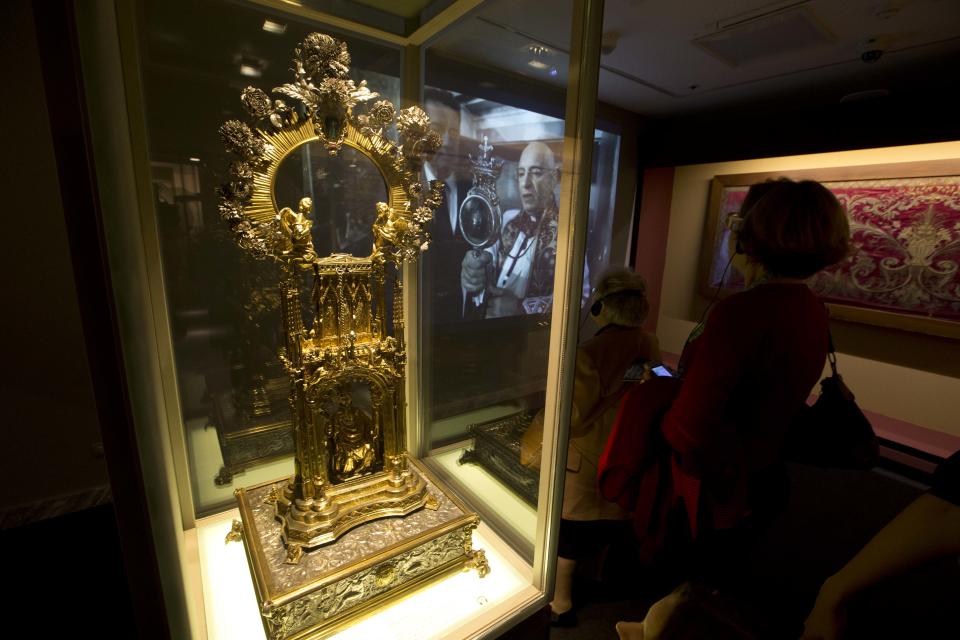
(833, 433)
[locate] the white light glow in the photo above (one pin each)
(192, 159)
(483, 487)
(274, 27)
(249, 71)
(206, 458)
(536, 64)
(456, 606)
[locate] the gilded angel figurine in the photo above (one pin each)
(295, 239)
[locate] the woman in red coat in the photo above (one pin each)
(714, 469)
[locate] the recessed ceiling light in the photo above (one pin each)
(608, 42)
(886, 10)
(869, 94)
(536, 64)
(274, 27)
(250, 71)
(193, 159)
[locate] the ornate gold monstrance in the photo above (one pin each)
(321, 544)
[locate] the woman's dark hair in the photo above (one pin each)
(701, 613)
(793, 229)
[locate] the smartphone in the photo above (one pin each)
(638, 371)
(661, 371)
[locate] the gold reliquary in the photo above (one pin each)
(360, 522)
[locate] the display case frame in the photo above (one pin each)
(111, 65)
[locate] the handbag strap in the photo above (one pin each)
(606, 403)
(831, 353)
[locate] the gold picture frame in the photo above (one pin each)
(928, 182)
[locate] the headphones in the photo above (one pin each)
(597, 306)
(735, 223)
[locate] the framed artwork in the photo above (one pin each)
(904, 269)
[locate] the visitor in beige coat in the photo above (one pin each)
(588, 521)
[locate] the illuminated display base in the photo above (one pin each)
(372, 564)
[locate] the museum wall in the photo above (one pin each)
(51, 437)
(653, 223)
(906, 376)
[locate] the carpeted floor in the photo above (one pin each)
(830, 515)
(68, 573)
(65, 577)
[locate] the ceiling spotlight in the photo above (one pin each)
(250, 66)
(608, 42)
(536, 64)
(538, 50)
(194, 159)
(250, 71)
(886, 10)
(274, 27)
(869, 94)
(872, 48)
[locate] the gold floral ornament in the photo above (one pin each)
(323, 104)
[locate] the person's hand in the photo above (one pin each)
(473, 271)
(828, 619)
(630, 630)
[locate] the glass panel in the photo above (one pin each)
(344, 191)
(496, 85)
(223, 305)
(399, 17)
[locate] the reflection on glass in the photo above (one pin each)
(525, 257)
(345, 191)
(489, 278)
(223, 305)
(494, 286)
(476, 219)
(516, 277)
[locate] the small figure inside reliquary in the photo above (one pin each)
(354, 437)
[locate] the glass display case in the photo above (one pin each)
(483, 325)
(485, 346)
